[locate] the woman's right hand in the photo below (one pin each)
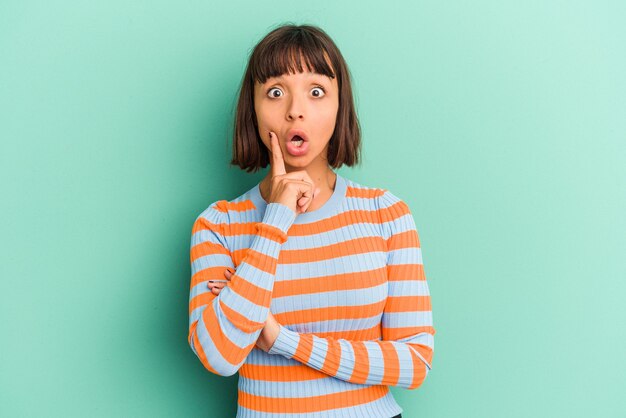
(296, 189)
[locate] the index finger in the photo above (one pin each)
(278, 164)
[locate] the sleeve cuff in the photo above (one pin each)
(279, 215)
(286, 343)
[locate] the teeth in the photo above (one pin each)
(298, 142)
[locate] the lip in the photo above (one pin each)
(291, 148)
(298, 132)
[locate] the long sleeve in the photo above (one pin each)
(403, 357)
(223, 329)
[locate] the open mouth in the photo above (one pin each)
(297, 140)
(297, 137)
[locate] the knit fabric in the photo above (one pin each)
(347, 284)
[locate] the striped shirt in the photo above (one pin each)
(345, 282)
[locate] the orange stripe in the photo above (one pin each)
(241, 206)
(222, 205)
(368, 193)
(261, 261)
(276, 373)
(356, 246)
(345, 281)
(425, 351)
(354, 335)
(257, 228)
(391, 334)
(229, 350)
(240, 228)
(201, 299)
(407, 303)
(330, 313)
(312, 403)
(270, 232)
(250, 291)
(202, 224)
(406, 239)
(206, 248)
(304, 349)
(362, 366)
(333, 357)
(391, 363)
(343, 219)
(394, 211)
(400, 272)
(419, 369)
(239, 320)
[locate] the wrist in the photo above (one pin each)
(286, 342)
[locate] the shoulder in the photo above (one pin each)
(227, 211)
(219, 214)
(216, 212)
(384, 201)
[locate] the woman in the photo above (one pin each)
(309, 284)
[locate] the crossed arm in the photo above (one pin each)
(403, 357)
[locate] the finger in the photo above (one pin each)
(302, 176)
(308, 203)
(305, 199)
(213, 283)
(278, 164)
(216, 284)
(304, 202)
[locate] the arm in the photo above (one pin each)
(403, 357)
(223, 329)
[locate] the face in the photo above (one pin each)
(305, 101)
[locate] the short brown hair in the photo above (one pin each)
(278, 53)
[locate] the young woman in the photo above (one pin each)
(310, 285)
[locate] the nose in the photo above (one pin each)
(295, 109)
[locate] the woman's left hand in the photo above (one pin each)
(270, 331)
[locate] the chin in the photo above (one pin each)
(297, 166)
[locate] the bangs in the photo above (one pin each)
(285, 56)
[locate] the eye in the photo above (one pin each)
(272, 94)
(321, 91)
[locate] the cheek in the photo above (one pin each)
(264, 126)
(330, 119)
